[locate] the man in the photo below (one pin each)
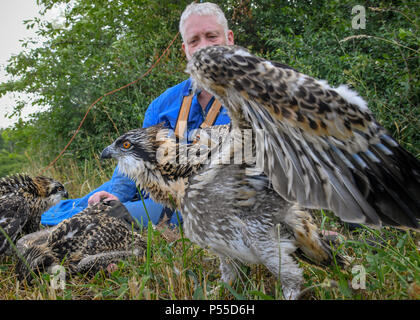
(201, 25)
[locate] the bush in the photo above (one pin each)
(102, 46)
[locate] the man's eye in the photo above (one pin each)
(126, 144)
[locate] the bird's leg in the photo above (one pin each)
(227, 270)
(290, 275)
(280, 262)
(275, 252)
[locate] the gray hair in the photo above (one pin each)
(203, 9)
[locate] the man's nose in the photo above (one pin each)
(204, 43)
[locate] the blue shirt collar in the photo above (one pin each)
(188, 88)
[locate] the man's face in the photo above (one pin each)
(203, 31)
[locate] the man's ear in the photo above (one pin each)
(183, 47)
(230, 37)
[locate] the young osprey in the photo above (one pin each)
(101, 234)
(238, 216)
(22, 201)
(321, 148)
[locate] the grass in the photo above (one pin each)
(175, 268)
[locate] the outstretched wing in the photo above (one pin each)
(322, 146)
(14, 213)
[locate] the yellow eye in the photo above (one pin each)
(126, 144)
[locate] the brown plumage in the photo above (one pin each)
(238, 216)
(101, 234)
(23, 199)
(321, 146)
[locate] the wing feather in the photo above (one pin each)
(322, 145)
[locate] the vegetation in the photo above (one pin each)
(179, 269)
(104, 45)
(11, 157)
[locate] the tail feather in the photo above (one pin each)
(36, 259)
(395, 186)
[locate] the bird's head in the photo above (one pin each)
(49, 189)
(158, 162)
(135, 150)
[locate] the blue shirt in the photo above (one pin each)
(166, 107)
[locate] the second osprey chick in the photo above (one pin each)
(23, 200)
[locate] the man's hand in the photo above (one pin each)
(98, 196)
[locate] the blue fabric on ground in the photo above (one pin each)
(155, 211)
(119, 185)
(164, 108)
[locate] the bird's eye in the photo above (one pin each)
(126, 144)
(60, 189)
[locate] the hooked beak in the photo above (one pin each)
(65, 194)
(107, 153)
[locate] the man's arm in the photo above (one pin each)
(119, 188)
(151, 117)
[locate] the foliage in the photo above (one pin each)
(179, 269)
(10, 162)
(316, 37)
(103, 45)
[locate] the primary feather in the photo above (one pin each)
(23, 199)
(322, 146)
